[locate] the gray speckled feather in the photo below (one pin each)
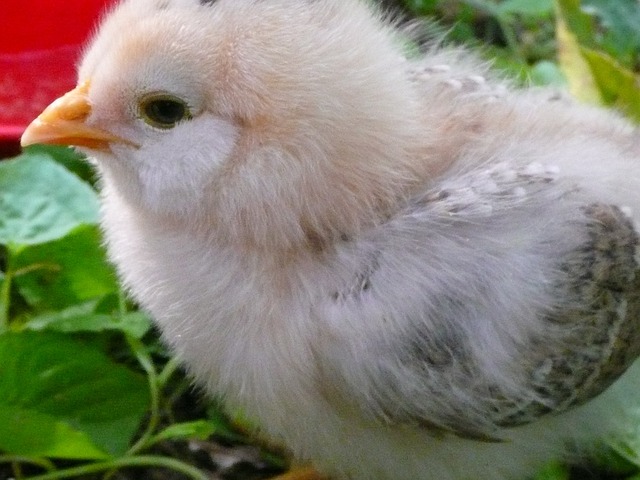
(559, 345)
(599, 334)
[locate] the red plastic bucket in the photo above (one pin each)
(40, 42)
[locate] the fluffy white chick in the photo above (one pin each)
(397, 266)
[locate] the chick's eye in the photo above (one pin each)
(163, 111)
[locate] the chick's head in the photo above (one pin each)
(271, 122)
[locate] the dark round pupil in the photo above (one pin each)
(166, 112)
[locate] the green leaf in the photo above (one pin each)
(547, 73)
(136, 324)
(68, 157)
(573, 31)
(41, 201)
(593, 75)
(577, 21)
(31, 433)
(613, 460)
(62, 386)
(199, 429)
(553, 471)
(619, 87)
(64, 272)
(618, 28)
(83, 318)
(539, 8)
(422, 7)
(222, 424)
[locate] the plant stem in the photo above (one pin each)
(37, 266)
(17, 470)
(146, 362)
(5, 298)
(169, 369)
(122, 303)
(136, 461)
(40, 462)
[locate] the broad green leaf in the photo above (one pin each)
(32, 433)
(618, 28)
(65, 382)
(64, 272)
(619, 87)
(136, 324)
(199, 429)
(84, 318)
(41, 201)
(68, 157)
(593, 75)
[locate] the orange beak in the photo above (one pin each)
(63, 123)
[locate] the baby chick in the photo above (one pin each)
(397, 265)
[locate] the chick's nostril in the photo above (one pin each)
(74, 105)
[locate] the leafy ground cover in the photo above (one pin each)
(86, 388)
(83, 377)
